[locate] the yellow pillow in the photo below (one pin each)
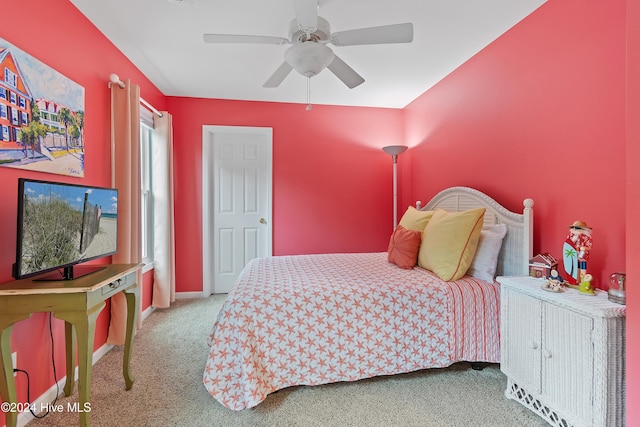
(449, 242)
(413, 219)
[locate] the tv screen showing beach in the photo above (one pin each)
(65, 224)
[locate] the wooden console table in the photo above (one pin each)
(78, 302)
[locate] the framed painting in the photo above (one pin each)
(41, 116)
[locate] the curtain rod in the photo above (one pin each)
(150, 107)
(114, 79)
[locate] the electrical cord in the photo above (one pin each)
(55, 377)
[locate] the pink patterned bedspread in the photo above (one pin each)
(317, 319)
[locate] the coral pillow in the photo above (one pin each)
(449, 242)
(413, 219)
(404, 246)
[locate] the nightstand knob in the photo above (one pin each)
(533, 345)
(547, 354)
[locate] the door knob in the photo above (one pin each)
(263, 221)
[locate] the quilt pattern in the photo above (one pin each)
(317, 319)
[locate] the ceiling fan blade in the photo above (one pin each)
(306, 14)
(237, 38)
(395, 33)
(279, 75)
(345, 73)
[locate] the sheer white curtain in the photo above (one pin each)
(164, 248)
(125, 176)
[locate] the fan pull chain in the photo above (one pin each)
(308, 93)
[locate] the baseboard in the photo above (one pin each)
(147, 312)
(48, 396)
(189, 295)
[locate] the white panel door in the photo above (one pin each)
(238, 193)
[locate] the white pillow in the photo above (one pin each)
(485, 262)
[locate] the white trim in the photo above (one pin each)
(147, 267)
(147, 312)
(147, 195)
(48, 396)
(190, 295)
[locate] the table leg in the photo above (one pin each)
(132, 295)
(70, 341)
(84, 323)
(7, 383)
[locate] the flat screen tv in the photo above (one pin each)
(61, 225)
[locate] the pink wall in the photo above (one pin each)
(331, 180)
(555, 83)
(633, 207)
(539, 113)
(55, 33)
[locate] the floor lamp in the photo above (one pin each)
(395, 151)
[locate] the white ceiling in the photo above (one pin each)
(163, 38)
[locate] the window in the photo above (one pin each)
(146, 204)
(10, 77)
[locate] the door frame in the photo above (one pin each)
(208, 244)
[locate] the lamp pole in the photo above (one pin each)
(395, 151)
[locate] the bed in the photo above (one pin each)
(323, 318)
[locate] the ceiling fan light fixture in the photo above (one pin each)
(322, 31)
(309, 35)
(309, 58)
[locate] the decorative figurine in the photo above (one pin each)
(585, 285)
(542, 264)
(575, 252)
(553, 283)
(554, 276)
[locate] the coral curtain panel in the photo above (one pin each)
(125, 176)
(164, 286)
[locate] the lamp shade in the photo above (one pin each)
(394, 150)
(309, 58)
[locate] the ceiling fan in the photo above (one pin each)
(309, 35)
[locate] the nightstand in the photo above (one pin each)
(563, 353)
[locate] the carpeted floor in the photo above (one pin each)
(168, 361)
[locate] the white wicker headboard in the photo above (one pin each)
(517, 247)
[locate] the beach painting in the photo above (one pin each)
(41, 116)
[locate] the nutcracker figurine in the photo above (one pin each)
(575, 252)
